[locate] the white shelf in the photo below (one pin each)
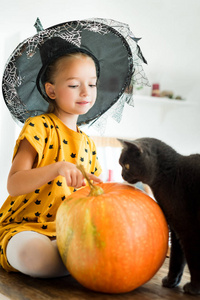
(163, 100)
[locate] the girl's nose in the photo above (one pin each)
(84, 91)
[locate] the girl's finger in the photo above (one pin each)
(94, 178)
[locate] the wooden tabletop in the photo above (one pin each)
(17, 286)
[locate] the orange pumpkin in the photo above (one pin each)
(113, 242)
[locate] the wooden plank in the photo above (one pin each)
(16, 286)
(103, 141)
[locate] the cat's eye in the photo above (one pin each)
(127, 166)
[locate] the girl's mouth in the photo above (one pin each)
(83, 102)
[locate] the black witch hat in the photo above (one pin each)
(112, 46)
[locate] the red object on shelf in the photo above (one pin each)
(155, 90)
(110, 175)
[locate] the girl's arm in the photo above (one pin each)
(24, 178)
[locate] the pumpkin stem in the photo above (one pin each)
(94, 189)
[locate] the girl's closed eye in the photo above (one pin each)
(73, 86)
(76, 85)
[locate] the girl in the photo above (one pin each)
(58, 69)
(44, 169)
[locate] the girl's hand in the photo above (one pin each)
(73, 176)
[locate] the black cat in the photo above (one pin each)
(175, 183)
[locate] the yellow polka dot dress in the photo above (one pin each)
(36, 211)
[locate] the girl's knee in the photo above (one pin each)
(27, 252)
(35, 255)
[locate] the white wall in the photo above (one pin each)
(175, 122)
(170, 43)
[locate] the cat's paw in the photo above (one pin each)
(191, 289)
(169, 282)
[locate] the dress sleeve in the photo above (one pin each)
(35, 130)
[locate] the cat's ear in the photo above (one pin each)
(134, 145)
(124, 142)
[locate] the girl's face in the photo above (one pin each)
(74, 85)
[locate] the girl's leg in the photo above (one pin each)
(35, 254)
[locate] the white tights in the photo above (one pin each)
(36, 255)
